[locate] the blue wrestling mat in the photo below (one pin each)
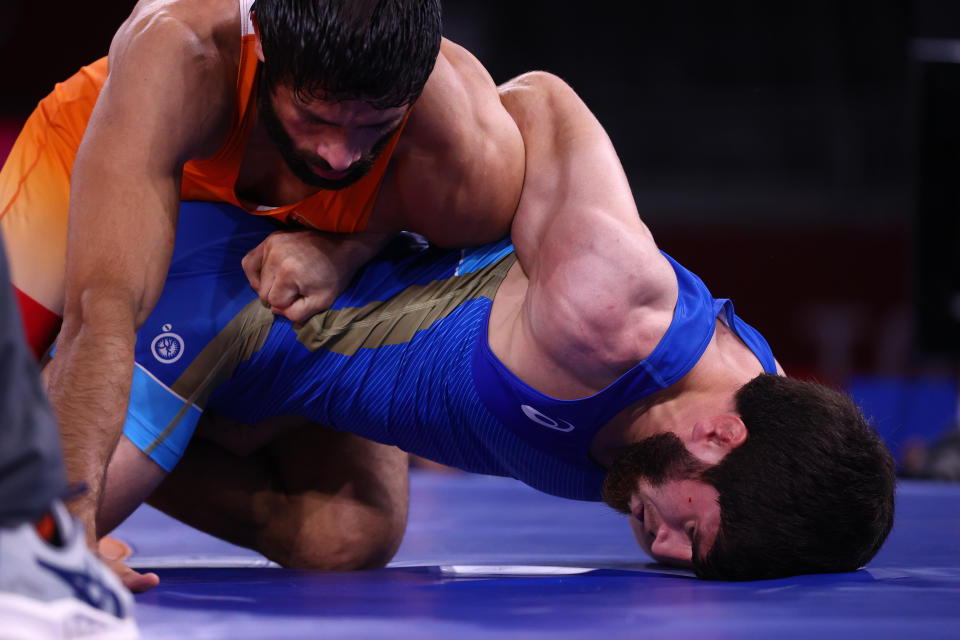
(487, 557)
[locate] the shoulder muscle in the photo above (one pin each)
(459, 170)
(172, 74)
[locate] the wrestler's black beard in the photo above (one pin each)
(297, 161)
(656, 459)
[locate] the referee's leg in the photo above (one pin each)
(32, 475)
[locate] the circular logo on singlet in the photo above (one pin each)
(167, 347)
(546, 421)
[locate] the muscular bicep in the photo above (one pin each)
(597, 282)
(461, 184)
(164, 101)
(577, 210)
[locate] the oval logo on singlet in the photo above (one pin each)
(167, 347)
(545, 420)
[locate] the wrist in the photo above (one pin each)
(362, 246)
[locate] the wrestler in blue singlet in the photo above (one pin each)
(401, 358)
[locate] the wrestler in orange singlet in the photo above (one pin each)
(35, 180)
(342, 115)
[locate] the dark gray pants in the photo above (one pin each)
(31, 466)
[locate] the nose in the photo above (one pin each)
(670, 545)
(339, 152)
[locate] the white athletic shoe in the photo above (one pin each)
(61, 592)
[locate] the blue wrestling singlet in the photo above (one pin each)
(401, 358)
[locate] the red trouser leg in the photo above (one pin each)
(40, 325)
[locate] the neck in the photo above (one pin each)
(264, 178)
(708, 389)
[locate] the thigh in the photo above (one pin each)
(367, 480)
(312, 498)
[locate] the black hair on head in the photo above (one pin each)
(378, 51)
(811, 490)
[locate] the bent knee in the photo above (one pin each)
(336, 540)
(326, 551)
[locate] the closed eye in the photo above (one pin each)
(694, 542)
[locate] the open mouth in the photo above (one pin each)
(328, 174)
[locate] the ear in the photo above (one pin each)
(714, 437)
(258, 45)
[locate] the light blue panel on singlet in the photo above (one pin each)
(153, 407)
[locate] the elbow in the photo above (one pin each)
(100, 310)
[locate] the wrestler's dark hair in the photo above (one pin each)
(380, 51)
(809, 491)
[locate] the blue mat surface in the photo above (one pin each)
(488, 557)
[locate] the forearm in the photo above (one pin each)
(89, 385)
(119, 242)
(356, 249)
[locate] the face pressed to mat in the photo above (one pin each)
(673, 519)
(674, 516)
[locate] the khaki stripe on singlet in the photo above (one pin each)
(343, 331)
